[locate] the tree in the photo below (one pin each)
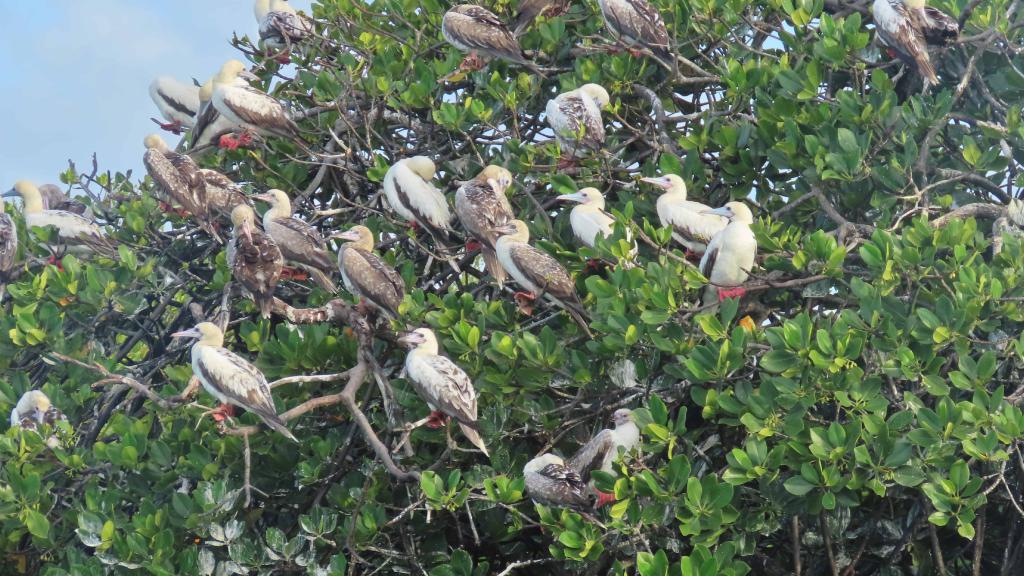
(856, 412)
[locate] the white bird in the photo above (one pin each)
(549, 481)
(8, 246)
(538, 273)
(410, 192)
(692, 225)
(299, 242)
(76, 231)
(442, 384)
(230, 378)
(482, 208)
(908, 26)
(730, 255)
(636, 22)
(34, 408)
(366, 275)
(589, 220)
(210, 125)
(249, 107)
(575, 118)
(280, 24)
(177, 102)
(603, 449)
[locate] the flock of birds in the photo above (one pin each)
(228, 112)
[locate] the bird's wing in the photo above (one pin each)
(591, 455)
(196, 183)
(561, 484)
(373, 278)
(544, 271)
(176, 100)
(481, 211)
(448, 388)
(707, 261)
(581, 125)
(257, 108)
(698, 227)
(222, 194)
(302, 242)
(8, 243)
(896, 26)
(640, 21)
(257, 266)
(476, 28)
(427, 205)
(940, 29)
(238, 380)
(167, 177)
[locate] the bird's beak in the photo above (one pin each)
(660, 182)
(190, 333)
(247, 230)
(723, 211)
(262, 197)
(10, 193)
(575, 197)
(246, 75)
(347, 235)
(411, 339)
(507, 229)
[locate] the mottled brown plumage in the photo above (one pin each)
(482, 207)
(636, 22)
(222, 194)
(366, 275)
(255, 260)
(299, 242)
(529, 10)
(474, 29)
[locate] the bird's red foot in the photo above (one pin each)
(471, 62)
(297, 275)
(604, 499)
(473, 246)
(414, 227)
(524, 300)
(634, 52)
(594, 265)
(223, 412)
(282, 59)
(172, 127)
(245, 139)
(567, 164)
(736, 292)
(56, 262)
(363, 308)
(168, 209)
(692, 256)
(228, 142)
(892, 53)
(436, 420)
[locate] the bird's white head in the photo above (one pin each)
(622, 416)
(498, 177)
(33, 403)
(597, 93)
(421, 166)
(669, 183)
(206, 91)
(586, 196)
(231, 71)
(421, 339)
(260, 9)
(31, 198)
(915, 4)
(735, 211)
(278, 200)
(207, 333)
(541, 462)
(155, 142)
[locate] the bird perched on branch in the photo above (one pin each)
(602, 450)
(230, 378)
(691, 224)
(222, 194)
(730, 254)
(637, 23)
(281, 25)
(177, 102)
(477, 30)
(254, 258)
(366, 275)
(908, 26)
(575, 118)
(210, 125)
(550, 482)
(180, 179)
(299, 242)
(249, 107)
(411, 194)
(77, 232)
(538, 273)
(482, 208)
(55, 199)
(445, 387)
(589, 220)
(33, 409)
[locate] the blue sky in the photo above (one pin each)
(76, 75)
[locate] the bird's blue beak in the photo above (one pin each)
(10, 193)
(190, 333)
(723, 211)
(574, 197)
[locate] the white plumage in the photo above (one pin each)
(410, 192)
(248, 107)
(177, 101)
(78, 232)
(589, 219)
(730, 255)
(691, 224)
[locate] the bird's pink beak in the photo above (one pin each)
(411, 338)
(349, 235)
(575, 197)
(190, 333)
(660, 182)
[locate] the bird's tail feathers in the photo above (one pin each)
(494, 266)
(475, 438)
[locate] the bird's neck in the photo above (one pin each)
(426, 349)
(33, 203)
(212, 341)
(675, 194)
(278, 211)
